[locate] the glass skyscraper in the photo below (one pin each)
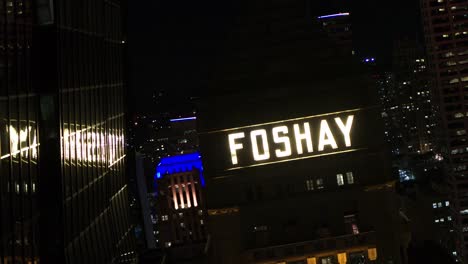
(62, 168)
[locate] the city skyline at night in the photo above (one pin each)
(236, 131)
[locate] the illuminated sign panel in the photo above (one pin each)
(288, 140)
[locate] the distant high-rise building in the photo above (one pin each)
(408, 112)
(446, 36)
(62, 162)
(180, 217)
(338, 27)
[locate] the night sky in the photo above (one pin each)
(172, 44)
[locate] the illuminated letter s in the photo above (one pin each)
(285, 140)
(234, 147)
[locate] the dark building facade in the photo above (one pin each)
(338, 27)
(63, 134)
(445, 36)
(284, 185)
(19, 139)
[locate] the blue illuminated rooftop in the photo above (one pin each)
(183, 119)
(333, 15)
(180, 163)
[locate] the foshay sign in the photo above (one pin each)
(297, 136)
(288, 140)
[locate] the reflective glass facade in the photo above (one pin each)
(69, 66)
(19, 146)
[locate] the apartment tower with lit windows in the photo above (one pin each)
(445, 27)
(63, 184)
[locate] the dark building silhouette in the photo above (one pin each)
(338, 28)
(445, 36)
(63, 180)
(274, 193)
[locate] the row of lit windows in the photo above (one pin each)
(440, 204)
(442, 219)
(340, 180)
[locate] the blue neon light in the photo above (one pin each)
(183, 119)
(333, 15)
(180, 163)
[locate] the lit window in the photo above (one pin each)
(339, 179)
(319, 183)
(464, 212)
(437, 221)
(447, 203)
(350, 177)
(165, 217)
(439, 204)
(202, 222)
(309, 185)
(327, 260)
(182, 225)
(168, 244)
(355, 229)
(449, 218)
(442, 220)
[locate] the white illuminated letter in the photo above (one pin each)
(266, 151)
(285, 140)
(14, 140)
(326, 136)
(346, 129)
(299, 137)
(234, 146)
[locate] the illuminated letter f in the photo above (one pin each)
(233, 146)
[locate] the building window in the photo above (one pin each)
(327, 260)
(309, 185)
(350, 177)
(202, 222)
(355, 229)
(339, 179)
(434, 205)
(439, 205)
(449, 218)
(319, 183)
(168, 244)
(165, 217)
(447, 203)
